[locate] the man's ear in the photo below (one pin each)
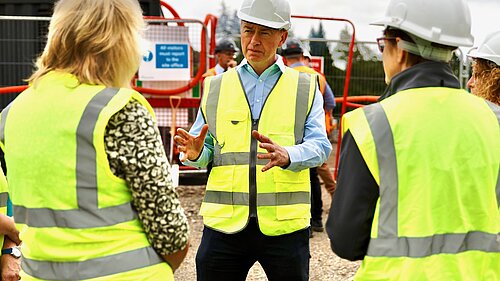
(284, 36)
(401, 55)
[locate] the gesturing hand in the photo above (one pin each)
(277, 155)
(190, 145)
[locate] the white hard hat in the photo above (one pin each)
(446, 22)
(270, 13)
(307, 54)
(490, 49)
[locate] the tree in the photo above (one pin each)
(228, 23)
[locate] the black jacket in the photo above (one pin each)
(353, 206)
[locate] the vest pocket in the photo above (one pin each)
(218, 201)
(292, 194)
(235, 126)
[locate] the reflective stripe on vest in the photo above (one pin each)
(387, 243)
(3, 199)
(92, 268)
(88, 215)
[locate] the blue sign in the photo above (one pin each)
(172, 56)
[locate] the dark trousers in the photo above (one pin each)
(316, 202)
(229, 257)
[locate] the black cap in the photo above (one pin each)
(226, 44)
(292, 47)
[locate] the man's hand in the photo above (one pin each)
(331, 188)
(10, 268)
(8, 228)
(190, 145)
(277, 155)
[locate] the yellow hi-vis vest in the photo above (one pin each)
(322, 88)
(76, 217)
(236, 186)
(435, 154)
(4, 195)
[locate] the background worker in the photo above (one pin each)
(225, 53)
(485, 79)
(257, 203)
(88, 175)
(417, 191)
(293, 52)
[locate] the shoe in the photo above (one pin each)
(317, 225)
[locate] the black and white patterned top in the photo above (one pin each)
(136, 154)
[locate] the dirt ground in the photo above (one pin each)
(324, 264)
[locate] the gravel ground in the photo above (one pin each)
(324, 264)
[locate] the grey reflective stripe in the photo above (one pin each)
(388, 170)
(88, 215)
(226, 198)
(5, 112)
(212, 103)
(86, 166)
(93, 268)
(419, 247)
(230, 158)
(234, 158)
(45, 217)
(3, 199)
(263, 199)
(301, 106)
(283, 198)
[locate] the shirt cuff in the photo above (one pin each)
(294, 155)
(200, 162)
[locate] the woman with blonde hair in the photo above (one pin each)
(88, 176)
(485, 79)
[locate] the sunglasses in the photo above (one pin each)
(381, 42)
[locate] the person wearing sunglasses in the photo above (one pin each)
(485, 79)
(418, 183)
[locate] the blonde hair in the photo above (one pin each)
(98, 41)
(487, 80)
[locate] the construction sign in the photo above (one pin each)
(317, 63)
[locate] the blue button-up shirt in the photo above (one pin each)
(315, 148)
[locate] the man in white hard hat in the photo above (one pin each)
(418, 185)
(485, 79)
(266, 128)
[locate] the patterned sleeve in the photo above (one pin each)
(136, 154)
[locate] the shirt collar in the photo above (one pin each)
(279, 62)
(219, 69)
(297, 64)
